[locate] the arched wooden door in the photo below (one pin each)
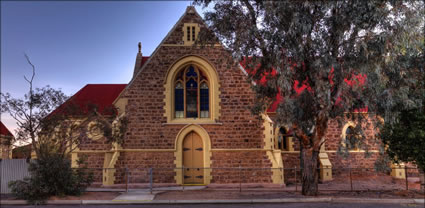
(193, 159)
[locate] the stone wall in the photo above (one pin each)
(236, 127)
(138, 164)
(95, 164)
(335, 130)
(356, 159)
(253, 165)
(99, 144)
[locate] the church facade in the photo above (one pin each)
(189, 118)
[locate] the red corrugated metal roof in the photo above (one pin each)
(100, 96)
(4, 130)
(300, 87)
(144, 59)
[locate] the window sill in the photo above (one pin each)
(185, 121)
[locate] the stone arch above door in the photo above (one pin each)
(178, 154)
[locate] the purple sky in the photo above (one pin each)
(76, 43)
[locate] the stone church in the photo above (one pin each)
(189, 118)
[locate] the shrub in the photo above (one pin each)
(52, 176)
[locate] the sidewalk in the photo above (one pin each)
(216, 195)
(245, 201)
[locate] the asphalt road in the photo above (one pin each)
(289, 205)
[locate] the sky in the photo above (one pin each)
(74, 43)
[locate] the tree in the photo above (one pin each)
(48, 133)
(343, 54)
(54, 132)
(405, 139)
(49, 125)
(55, 128)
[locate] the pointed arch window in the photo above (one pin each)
(191, 94)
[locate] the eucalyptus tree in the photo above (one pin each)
(405, 138)
(346, 54)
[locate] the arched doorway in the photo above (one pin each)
(193, 159)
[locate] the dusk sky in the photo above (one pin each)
(77, 43)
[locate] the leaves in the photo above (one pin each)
(405, 138)
(325, 45)
(50, 127)
(328, 59)
(52, 176)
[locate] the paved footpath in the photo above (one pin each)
(143, 198)
(286, 205)
(295, 202)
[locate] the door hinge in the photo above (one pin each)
(199, 149)
(199, 176)
(186, 149)
(186, 176)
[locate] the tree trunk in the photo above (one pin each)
(309, 154)
(309, 173)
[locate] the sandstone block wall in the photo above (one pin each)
(95, 164)
(139, 163)
(99, 144)
(253, 165)
(356, 159)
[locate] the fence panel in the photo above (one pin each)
(10, 170)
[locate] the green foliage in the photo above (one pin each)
(52, 176)
(326, 45)
(343, 54)
(406, 138)
(382, 163)
(116, 131)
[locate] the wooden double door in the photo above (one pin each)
(193, 159)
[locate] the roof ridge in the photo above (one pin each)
(104, 84)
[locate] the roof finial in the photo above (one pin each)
(140, 47)
(190, 9)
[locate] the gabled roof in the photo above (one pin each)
(4, 131)
(189, 9)
(100, 96)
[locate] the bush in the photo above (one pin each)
(51, 176)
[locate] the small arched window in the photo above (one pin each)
(191, 94)
(352, 138)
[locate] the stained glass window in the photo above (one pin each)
(191, 72)
(205, 107)
(179, 100)
(192, 97)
